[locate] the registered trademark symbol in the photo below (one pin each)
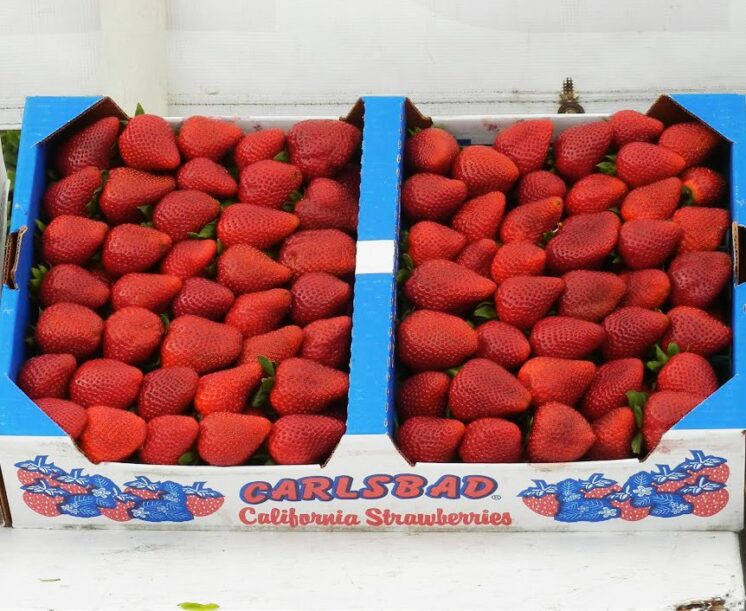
(496, 497)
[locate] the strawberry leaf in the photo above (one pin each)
(295, 196)
(453, 371)
(189, 458)
(637, 411)
(636, 399)
(147, 212)
(226, 203)
(262, 395)
(206, 233)
(40, 226)
(402, 276)
(139, 110)
(413, 131)
(607, 167)
(404, 240)
(268, 366)
(637, 444)
(485, 311)
(288, 206)
(407, 263)
(283, 156)
(165, 320)
(673, 349)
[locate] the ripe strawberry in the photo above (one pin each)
(201, 501)
(542, 498)
(558, 434)
(540, 185)
(431, 197)
(688, 372)
(707, 498)
(491, 440)
(72, 194)
(641, 163)
(105, 382)
(72, 284)
(47, 375)
(319, 250)
(69, 328)
(349, 178)
(521, 258)
(259, 145)
(168, 438)
(167, 391)
(268, 183)
(207, 176)
(526, 143)
(148, 143)
(632, 126)
(483, 389)
(328, 341)
(446, 286)
(132, 335)
(662, 410)
(646, 288)
(609, 388)
(72, 239)
(112, 434)
(484, 169)
(227, 439)
(428, 340)
(189, 258)
(531, 221)
(303, 386)
(703, 186)
(428, 240)
(153, 292)
(91, 146)
(207, 137)
(583, 242)
(423, 394)
(304, 439)
(566, 338)
(614, 432)
(257, 313)
(69, 416)
(321, 147)
(631, 331)
(244, 269)
(256, 226)
(431, 150)
(550, 379)
(183, 212)
(702, 228)
(595, 193)
(480, 217)
(503, 344)
(132, 248)
(522, 301)
(327, 204)
(578, 149)
(44, 498)
(697, 278)
(590, 295)
(203, 297)
(428, 439)
(693, 141)
(657, 200)
(201, 344)
(478, 256)
(227, 390)
(127, 189)
(648, 243)
(694, 330)
(277, 345)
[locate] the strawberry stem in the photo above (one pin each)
(283, 156)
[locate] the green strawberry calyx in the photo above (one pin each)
(283, 156)
(662, 357)
(37, 275)
(485, 311)
(608, 167)
(206, 233)
(261, 396)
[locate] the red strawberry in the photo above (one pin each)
(73, 284)
(431, 197)
(526, 143)
(189, 258)
(423, 394)
(542, 498)
(503, 344)
(319, 250)
(105, 382)
(632, 126)
(688, 372)
(328, 341)
(132, 335)
(480, 217)
(268, 183)
(566, 338)
(694, 330)
(148, 143)
(259, 145)
(483, 389)
(578, 149)
(143, 488)
(491, 440)
(614, 433)
(703, 186)
(132, 248)
(707, 498)
(697, 278)
(47, 375)
(256, 226)
(702, 228)
(257, 313)
(69, 416)
(646, 288)
(127, 189)
(321, 147)
(631, 331)
(277, 345)
(550, 379)
(167, 391)
(558, 434)
(203, 297)
(304, 439)
(69, 328)
(484, 169)
(168, 438)
(72, 194)
(699, 465)
(349, 178)
(227, 439)
(31, 471)
(183, 212)
(693, 141)
(521, 258)
(153, 292)
(662, 410)
(201, 344)
(658, 200)
(648, 243)
(522, 301)
(428, 439)
(431, 150)
(227, 390)
(44, 498)
(112, 434)
(590, 295)
(428, 240)
(327, 204)
(303, 386)
(641, 163)
(540, 185)
(595, 193)
(446, 286)
(628, 512)
(207, 137)
(72, 239)
(429, 340)
(120, 512)
(531, 221)
(609, 388)
(202, 174)
(91, 146)
(203, 501)
(478, 256)
(244, 269)
(583, 242)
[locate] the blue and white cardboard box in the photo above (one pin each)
(367, 484)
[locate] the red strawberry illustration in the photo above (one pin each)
(627, 511)
(74, 482)
(541, 498)
(44, 498)
(701, 464)
(121, 512)
(30, 471)
(202, 501)
(707, 497)
(143, 488)
(598, 487)
(666, 479)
